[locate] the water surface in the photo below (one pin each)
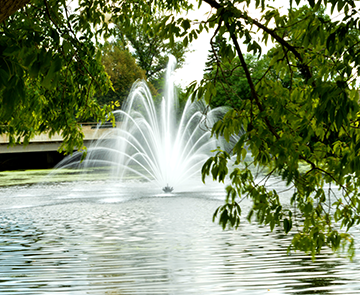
(105, 238)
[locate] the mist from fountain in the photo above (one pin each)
(155, 143)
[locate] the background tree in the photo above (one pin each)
(150, 49)
(123, 71)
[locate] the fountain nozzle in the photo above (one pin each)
(167, 189)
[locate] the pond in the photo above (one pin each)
(99, 237)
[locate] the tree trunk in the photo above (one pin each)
(8, 7)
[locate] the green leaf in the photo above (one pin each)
(66, 47)
(30, 59)
(186, 24)
(50, 77)
(35, 69)
(287, 224)
(4, 77)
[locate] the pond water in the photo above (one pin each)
(97, 237)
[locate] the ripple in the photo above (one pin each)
(126, 243)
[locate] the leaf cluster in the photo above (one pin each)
(297, 116)
(48, 76)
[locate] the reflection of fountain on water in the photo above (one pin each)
(155, 144)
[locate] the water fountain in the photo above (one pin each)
(159, 144)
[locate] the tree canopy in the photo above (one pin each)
(149, 48)
(123, 71)
(48, 75)
(299, 121)
(50, 64)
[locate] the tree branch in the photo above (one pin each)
(251, 83)
(272, 33)
(9, 7)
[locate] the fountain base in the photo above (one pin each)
(167, 189)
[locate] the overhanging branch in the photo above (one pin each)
(272, 33)
(9, 7)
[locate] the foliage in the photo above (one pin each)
(299, 125)
(50, 68)
(229, 78)
(150, 49)
(48, 76)
(123, 71)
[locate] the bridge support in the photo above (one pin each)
(29, 160)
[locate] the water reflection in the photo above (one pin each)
(103, 239)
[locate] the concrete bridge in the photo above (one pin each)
(41, 152)
(42, 142)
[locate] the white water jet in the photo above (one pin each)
(155, 143)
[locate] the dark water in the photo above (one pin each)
(99, 238)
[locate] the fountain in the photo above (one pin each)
(154, 143)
